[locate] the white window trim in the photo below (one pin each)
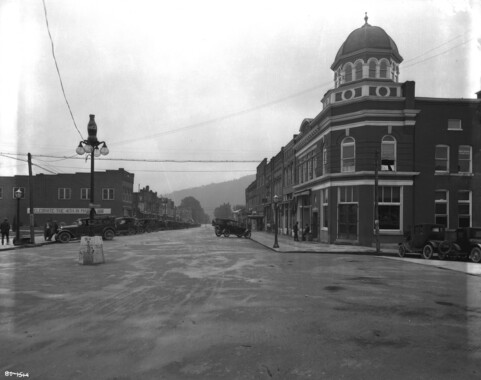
(470, 170)
(88, 193)
(324, 202)
(390, 142)
(470, 203)
(343, 144)
(447, 159)
(108, 191)
(401, 213)
(66, 191)
(460, 128)
(443, 202)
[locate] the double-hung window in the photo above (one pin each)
(464, 159)
(64, 193)
(389, 207)
(441, 158)
(85, 193)
(441, 207)
(348, 155)
(107, 194)
(388, 153)
(464, 208)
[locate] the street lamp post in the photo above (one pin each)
(18, 196)
(92, 146)
(276, 199)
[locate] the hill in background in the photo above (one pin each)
(212, 196)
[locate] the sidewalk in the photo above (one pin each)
(288, 245)
(39, 240)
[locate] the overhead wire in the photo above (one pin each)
(58, 70)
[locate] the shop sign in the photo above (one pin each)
(69, 210)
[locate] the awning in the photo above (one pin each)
(302, 193)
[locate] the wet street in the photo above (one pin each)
(187, 305)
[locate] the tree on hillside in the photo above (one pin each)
(198, 213)
(224, 211)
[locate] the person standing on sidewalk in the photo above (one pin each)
(5, 229)
(296, 231)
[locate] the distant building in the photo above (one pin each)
(147, 204)
(66, 197)
(426, 152)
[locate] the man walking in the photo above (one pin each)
(296, 231)
(5, 229)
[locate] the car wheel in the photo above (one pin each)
(63, 237)
(402, 251)
(428, 251)
(108, 235)
(226, 233)
(218, 232)
(475, 255)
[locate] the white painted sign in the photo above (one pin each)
(71, 210)
(91, 250)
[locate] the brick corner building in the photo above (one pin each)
(426, 153)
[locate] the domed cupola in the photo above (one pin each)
(367, 53)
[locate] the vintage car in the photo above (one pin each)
(126, 225)
(227, 227)
(424, 239)
(462, 243)
(150, 225)
(99, 226)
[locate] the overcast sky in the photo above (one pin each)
(201, 80)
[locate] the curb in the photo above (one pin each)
(366, 253)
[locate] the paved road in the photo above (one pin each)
(188, 305)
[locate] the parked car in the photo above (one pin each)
(99, 226)
(227, 227)
(424, 239)
(462, 243)
(126, 225)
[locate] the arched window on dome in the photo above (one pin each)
(348, 155)
(358, 70)
(388, 153)
(372, 69)
(348, 73)
(383, 69)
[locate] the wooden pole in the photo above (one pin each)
(30, 192)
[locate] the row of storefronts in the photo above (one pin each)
(66, 197)
(375, 155)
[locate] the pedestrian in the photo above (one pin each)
(53, 229)
(5, 229)
(296, 231)
(305, 232)
(47, 231)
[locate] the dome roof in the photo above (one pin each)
(367, 37)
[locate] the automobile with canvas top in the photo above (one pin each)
(424, 239)
(98, 226)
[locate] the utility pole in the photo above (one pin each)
(376, 202)
(30, 192)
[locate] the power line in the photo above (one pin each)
(58, 71)
(139, 159)
(21, 159)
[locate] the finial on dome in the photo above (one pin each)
(365, 18)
